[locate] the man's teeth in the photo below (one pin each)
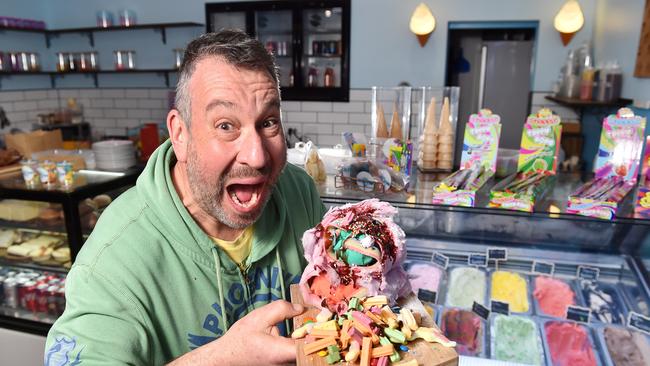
(248, 204)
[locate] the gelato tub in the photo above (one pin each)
(512, 288)
(605, 302)
(553, 296)
(624, 347)
(466, 329)
(466, 285)
(515, 339)
(424, 275)
(569, 344)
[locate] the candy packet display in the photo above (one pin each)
(642, 207)
(478, 162)
(617, 166)
(540, 143)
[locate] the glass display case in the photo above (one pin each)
(42, 228)
(309, 39)
(553, 260)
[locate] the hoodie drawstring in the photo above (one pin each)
(222, 303)
(282, 287)
(217, 265)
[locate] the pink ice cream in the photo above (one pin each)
(357, 250)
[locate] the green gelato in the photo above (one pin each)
(516, 339)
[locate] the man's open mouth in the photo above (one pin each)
(245, 196)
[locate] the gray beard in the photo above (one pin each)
(208, 195)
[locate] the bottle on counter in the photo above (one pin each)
(614, 80)
(312, 76)
(328, 77)
(587, 84)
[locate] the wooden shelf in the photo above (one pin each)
(577, 103)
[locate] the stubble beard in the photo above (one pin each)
(208, 191)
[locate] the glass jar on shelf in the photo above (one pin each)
(124, 60)
(178, 57)
(61, 62)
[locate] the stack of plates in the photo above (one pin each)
(114, 155)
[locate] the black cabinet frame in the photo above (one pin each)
(297, 92)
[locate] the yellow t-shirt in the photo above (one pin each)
(239, 249)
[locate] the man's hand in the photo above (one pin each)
(252, 340)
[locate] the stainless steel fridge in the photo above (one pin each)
(494, 70)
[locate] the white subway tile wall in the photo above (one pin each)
(114, 111)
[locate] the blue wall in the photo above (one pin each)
(383, 51)
(616, 34)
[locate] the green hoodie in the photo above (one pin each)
(149, 285)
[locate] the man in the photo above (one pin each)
(208, 238)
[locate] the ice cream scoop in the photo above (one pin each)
(356, 250)
(553, 296)
(465, 328)
(569, 344)
(466, 285)
(512, 288)
(627, 348)
(516, 339)
(423, 275)
(604, 302)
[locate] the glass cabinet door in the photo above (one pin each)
(322, 47)
(227, 20)
(274, 28)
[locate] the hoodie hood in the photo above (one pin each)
(156, 186)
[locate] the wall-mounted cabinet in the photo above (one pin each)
(309, 39)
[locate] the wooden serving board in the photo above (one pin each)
(427, 354)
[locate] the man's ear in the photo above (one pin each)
(178, 133)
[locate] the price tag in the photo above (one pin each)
(639, 322)
(440, 260)
(477, 259)
(481, 310)
(544, 268)
(588, 273)
(497, 254)
(579, 314)
(500, 307)
(428, 296)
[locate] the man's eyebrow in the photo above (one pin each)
(219, 103)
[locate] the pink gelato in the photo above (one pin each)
(553, 296)
(357, 250)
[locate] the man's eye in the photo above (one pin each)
(270, 123)
(225, 126)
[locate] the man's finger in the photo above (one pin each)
(281, 350)
(276, 312)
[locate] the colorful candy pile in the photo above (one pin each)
(370, 332)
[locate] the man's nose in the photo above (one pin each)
(252, 150)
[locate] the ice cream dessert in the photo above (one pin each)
(569, 344)
(357, 250)
(511, 288)
(516, 339)
(627, 348)
(553, 296)
(604, 301)
(465, 328)
(423, 275)
(466, 285)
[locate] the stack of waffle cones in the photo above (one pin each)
(437, 142)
